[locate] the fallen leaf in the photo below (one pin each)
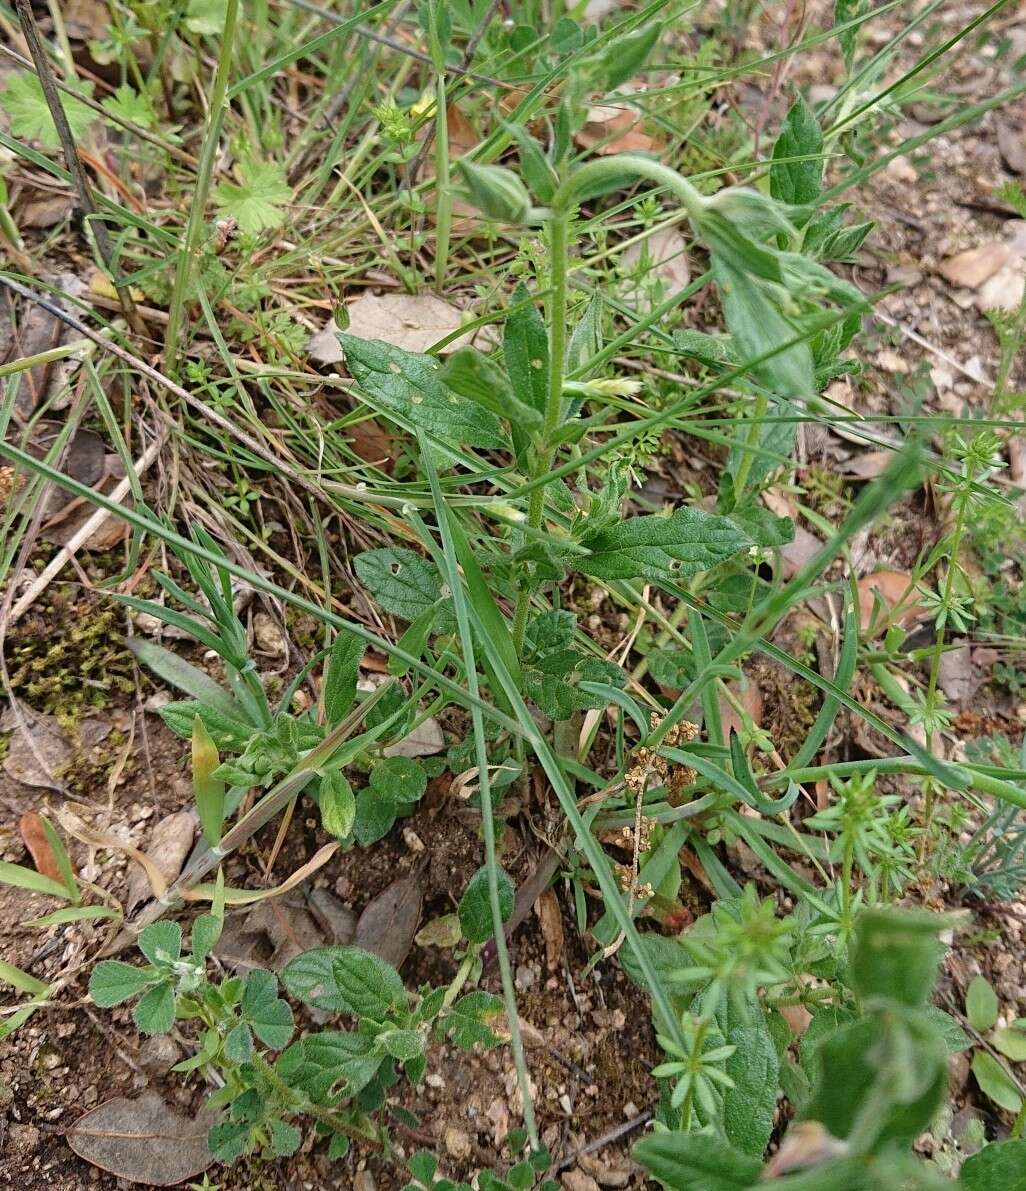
(336, 920)
(144, 1141)
(413, 322)
(751, 700)
(62, 526)
(269, 935)
(799, 552)
(806, 1144)
(389, 922)
(577, 1180)
(372, 442)
(551, 921)
(424, 741)
(169, 846)
(665, 253)
(46, 212)
(867, 465)
(892, 586)
(33, 833)
(956, 676)
(971, 268)
(40, 756)
(610, 130)
(37, 330)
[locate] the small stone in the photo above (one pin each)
(457, 1144)
(267, 636)
(577, 1180)
(158, 1054)
(566, 1105)
(50, 1061)
(526, 977)
(630, 1110)
(434, 1080)
(90, 1095)
(413, 840)
(364, 1181)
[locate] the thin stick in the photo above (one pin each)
(82, 535)
(72, 160)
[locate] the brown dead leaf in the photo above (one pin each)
(610, 130)
(389, 922)
(33, 833)
(270, 934)
(798, 553)
(372, 442)
(169, 846)
(751, 701)
(144, 1141)
(665, 253)
(867, 465)
(413, 322)
(609, 1168)
(971, 268)
(46, 211)
(62, 525)
(893, 586)
(956, 675)
(806, 1144)
(551, 921)
(424, 741)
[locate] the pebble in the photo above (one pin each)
(457, 1143)
(577, 1180)
(434, 1080)
(526, 977)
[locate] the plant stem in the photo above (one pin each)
(104, 248)
(558, 230)
(198, 206)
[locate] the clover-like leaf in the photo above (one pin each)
(161, 942)
(155, 1012)
(269, 1016)
(113, 981)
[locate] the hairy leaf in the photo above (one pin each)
(652, 547)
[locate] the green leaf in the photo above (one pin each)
(896, 955)
(112, 982)
(338, 804)
(403, 583)
(623, 57)
(74, 914)
(266, 1012)
(207, 790)
(226, 733)
(469, 1022)
(749, 1106)
(257, 201)
(128, 104)
(496, 191)
(399, 780)
(525, 347)
(475, 906)
(1011, 1043)
(696, 1162)
(345, 980)
(763, 527)
(238, 1043)
(652, 547)
(161, 942)
(895, 1064)
(981, 1004)
(285, 1139)
(23, 981)
(995, 1081)
(186, 677)
(410, 384)
(1000, 1166)
(27, 878)
(206, 931)
(318, 1062)
(343, 670)
(155, 1012)
(844, 11)
(375, 817)
(473, 375)
(955, 1038)
(25, 103)
(404, 1045)
(798, 182)
(741, 267)
(229, 1140)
